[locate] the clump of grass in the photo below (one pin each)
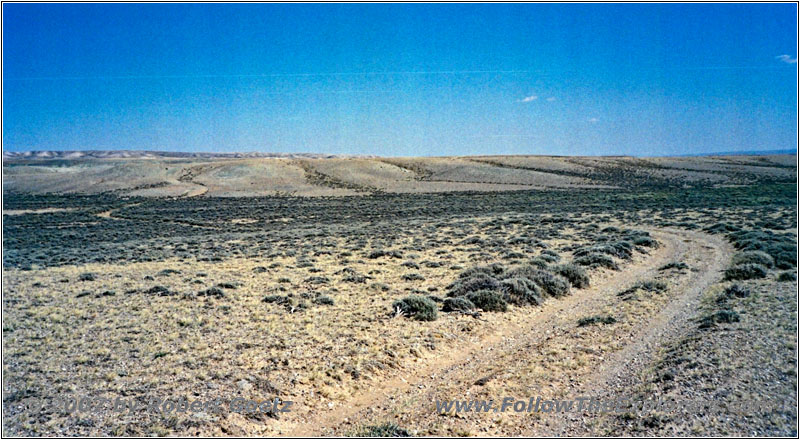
(680, 265)
(488, 301)
(383, 287)
(649, 285)
(787, 276)
(275, 299)
(293, 304)
(458, 304)
(167, 272)
(384, 253)
(317, 280)
(734, 291)
(575, 274)
(416, 307)
(87, 276)
(383, 430)
(653, 285)
(410, 264)
(212, 291)
(352, 276)
(597, 319)
(324, 300)
(158, 290)
(722, 316)
(413, 277)
(747, 271)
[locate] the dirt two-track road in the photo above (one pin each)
(546, 356)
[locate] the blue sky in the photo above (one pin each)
(401, 79)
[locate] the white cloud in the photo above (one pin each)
(786, 59)
(551, 99)
(529, 98)
(594, 120)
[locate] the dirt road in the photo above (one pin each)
(547, 355)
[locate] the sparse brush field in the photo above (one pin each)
(364, 309)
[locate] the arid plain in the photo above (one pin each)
(364, 289)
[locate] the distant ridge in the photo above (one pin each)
(148, 154)
(143, 154)
(740, 153)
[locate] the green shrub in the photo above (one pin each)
(787, 276)
(737, 291)
(521, 291)
(413, 277)
(539, 262)
(410, 264)
(324, 300)
(754, 257)
(745, 272)
(277, 299)
(383, 253)
(550, 256)
(491, 270)
(551, 284)
(619, 249)
(416, 307)
(87, 276)
(475, 282)
(317, 280)
(488, 300)
(645, 241)
(594, 260)
(575, 274)
(722, 316)
(457, 304)
(167, 272)
(159, 290)
(785, 254)
(212, 291)
(597, 319)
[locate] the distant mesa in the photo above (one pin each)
(140, 154)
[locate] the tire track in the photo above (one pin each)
(409, 396)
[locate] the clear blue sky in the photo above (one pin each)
(403, 79)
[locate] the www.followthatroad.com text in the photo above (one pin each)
(594, 405)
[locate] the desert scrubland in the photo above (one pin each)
(364, 289)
